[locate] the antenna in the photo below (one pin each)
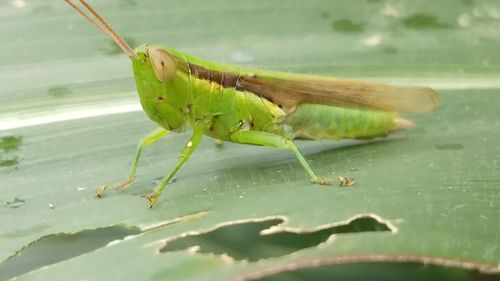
(105, 27)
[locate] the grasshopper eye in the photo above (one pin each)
(163, 64)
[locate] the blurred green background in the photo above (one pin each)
(70, 121)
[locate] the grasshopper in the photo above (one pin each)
(256, 107)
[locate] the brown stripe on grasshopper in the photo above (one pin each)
(232, 80)
(225, 79)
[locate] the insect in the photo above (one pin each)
(256, 107)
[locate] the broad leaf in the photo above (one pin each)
(70, 121)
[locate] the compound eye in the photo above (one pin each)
(164, 66)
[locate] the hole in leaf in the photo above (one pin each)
(380, 272)
(245, 241)
(449, 146)
(15, 203)
(55, 248)
(348, 26)
(9, 162)
(58, 91)
(9, 143)
(390, 50)
(127, 3)
(424, 21)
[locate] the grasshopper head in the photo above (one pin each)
(158, 59)
(161, 86)
(161, 91)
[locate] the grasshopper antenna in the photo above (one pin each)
(105, 27)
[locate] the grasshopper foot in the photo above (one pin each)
(100, 191)
(321, 181)
(349, 182)
(152, 199)
(218, 143)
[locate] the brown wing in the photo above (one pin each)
(297, 89)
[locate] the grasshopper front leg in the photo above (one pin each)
(148, 140)
(268, 139)
(183, 157)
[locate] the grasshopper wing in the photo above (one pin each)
(290, 90)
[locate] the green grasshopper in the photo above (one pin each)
(257, 107)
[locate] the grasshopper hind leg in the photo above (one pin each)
(268, 139)
(148, 140)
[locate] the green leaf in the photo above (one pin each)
(70, 121)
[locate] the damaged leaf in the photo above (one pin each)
(70, 122)
(264, 239)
